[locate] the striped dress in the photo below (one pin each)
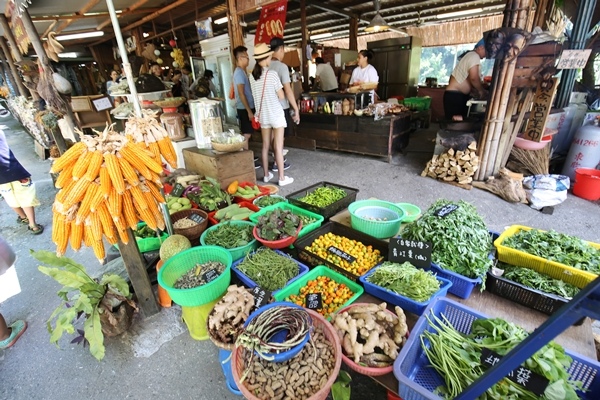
(269, 110)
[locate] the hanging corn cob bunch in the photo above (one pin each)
(107, 184)
(148, 133)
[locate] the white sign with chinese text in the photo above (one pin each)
(573, 59)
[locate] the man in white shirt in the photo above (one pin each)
(326, 76)
(465, 82)
(277, 46)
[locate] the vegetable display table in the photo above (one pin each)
(578, 339)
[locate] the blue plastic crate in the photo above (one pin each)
(462, 286)
(225, 360)
(398, 300)
(418, 380)
(302, 269)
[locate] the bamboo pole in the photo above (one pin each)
(13, 68)
(8, 34)
(513, 100)
(525, 106)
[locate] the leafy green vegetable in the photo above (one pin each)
(535, 280)
(406, 280)
(229, 236)
(324, 196)
(554, 246)
(277, 224)
(457, 358)
(209, 195)
(265, 201)
(340, 390)
(461, 241)
(268, 269)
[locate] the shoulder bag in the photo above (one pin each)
(255, 121)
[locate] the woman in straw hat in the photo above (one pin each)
(267, 90)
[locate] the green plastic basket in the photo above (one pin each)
(296, 210)
(178, 265)
(377, 229)
(294, 287)
(148, 244)
(236, 252)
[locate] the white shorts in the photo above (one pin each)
(19, 194)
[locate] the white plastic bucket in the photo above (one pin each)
(584, 151)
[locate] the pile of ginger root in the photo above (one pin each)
(228, 315)
(371, 335)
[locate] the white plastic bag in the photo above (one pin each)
(546, 190)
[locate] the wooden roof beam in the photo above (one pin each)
(60, 17)
(133, 7)
(87, 7)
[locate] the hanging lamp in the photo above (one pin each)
(377, 24)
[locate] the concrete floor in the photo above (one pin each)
(157, 358)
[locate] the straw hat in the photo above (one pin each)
(262, 51)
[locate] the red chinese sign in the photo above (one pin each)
(271, 22)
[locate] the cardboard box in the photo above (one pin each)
(224, 167)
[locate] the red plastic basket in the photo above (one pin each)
(243, 204)
(263, 191)
(277, 244)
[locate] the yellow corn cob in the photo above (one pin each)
(155, 178)
(82, 165)
(57, 220)
(137, 157)
(105, 183)
(139, 166)
(121, 228)
(93, 169)
(123, 236)
(76, 194)
(107, 223)
(160, 220)
(98, 246)
(76, 235)
(149, 198)
(115, 203)
(167, 151)
(64, 192)
(155, 192)
(84, 207)
(96, 200)
(87, 232)
(139, 197)
(114, 171)
(148, 218)
(96, 227)
(68, 158)
(64, 177)
(128, 172)
(131, 218)
(63, 239)
(153, 147)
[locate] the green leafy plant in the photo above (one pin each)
(278, 224)
(83, 296)
(341, 388)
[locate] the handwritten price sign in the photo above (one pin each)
(271, 22)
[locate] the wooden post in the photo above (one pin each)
(353, 34)
(101, 65)
(6, 74)
(8, 34)
(13, 68)
(135, 265)
(304, 42)
(233, 25)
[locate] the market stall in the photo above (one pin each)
(337, 121)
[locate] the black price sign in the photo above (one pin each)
(197, 218)
(313, 301)
(341, 254)
(416, 252)
(261, 296)
(446, 210)
(177, 190)
(210, 275)
(521, 375)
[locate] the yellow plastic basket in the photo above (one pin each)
(555, 269)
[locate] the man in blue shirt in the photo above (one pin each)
(244, 102)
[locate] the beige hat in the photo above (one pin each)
(262, 51)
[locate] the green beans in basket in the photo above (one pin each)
(324, 196)
(269, 270)
(406, 280)
(230, 236)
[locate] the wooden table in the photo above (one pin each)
(578, 339)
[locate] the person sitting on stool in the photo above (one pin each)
(465, 83)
